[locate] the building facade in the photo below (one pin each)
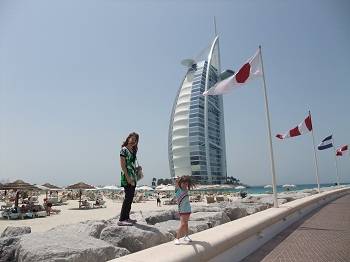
(196, 142)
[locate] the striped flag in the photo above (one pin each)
(302, 128)
(326, 143)
(342, 150)
(250, 70)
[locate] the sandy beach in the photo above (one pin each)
(71, 214)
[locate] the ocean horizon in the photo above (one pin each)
(262, 190)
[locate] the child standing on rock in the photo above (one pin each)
(182, 185)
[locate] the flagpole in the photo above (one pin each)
(316, 165)
(335, 160)
(274, 188)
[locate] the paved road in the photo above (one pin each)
(322, 236)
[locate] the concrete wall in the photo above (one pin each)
(237, 239)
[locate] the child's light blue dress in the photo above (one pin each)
(183, 201)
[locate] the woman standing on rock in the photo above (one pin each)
(183, 184)
(128, 176)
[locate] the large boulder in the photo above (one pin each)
(213, 218)
(252, 208)
(207, 208)
(250, 199)
(8, 246)
(64, 246)
(169, 228)
(290, 196)
(15, 231)
(154, 217)
(88, 228)
(235, 212)
(269, 202)
(134, 238)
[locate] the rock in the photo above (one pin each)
(134, 238)
(235, 212)
(213, 218)
(169, 228)
(15, 231)
(293, 195)
(210, 208)
(8, 246)
(154, 217)
(268, 200)
(88, 228)
(250, 199)
(64, 246)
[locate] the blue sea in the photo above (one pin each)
(262, 190)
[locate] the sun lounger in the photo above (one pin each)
(220, 199)
(85, 204)
(210, 199)
(6, 205)
(40, 214)
(10, 215)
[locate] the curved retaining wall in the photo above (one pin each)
(235, 240)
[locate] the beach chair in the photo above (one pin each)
(220, 199)
(210, 199)
(54, 201)
(85, 204)
(7, 205)
(99, 203)
(40, 214)
(192, 198)
(10, 214)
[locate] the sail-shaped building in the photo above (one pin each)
(196, 132)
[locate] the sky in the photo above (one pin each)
(77, 76)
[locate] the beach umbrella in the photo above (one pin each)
(80, 186)
(50, 186)
(145, 188)
(240, 187)
(288, 185)
(160, 187)
(18, 185)
(43, 188)
(167, 188)
(112, 188)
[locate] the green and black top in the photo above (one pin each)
(130, 160)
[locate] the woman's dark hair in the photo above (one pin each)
(187, 179)
(135, 148)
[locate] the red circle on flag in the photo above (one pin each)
(243, 73)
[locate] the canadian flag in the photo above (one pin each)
(250, 70)
(302, 128)
(342, 150)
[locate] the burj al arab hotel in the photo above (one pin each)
(196, 139)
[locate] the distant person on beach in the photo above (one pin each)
(128, 176)
(158, 200)
(182, 185)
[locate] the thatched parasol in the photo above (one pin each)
(18, 185)
(80, 186)
(50, 186)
